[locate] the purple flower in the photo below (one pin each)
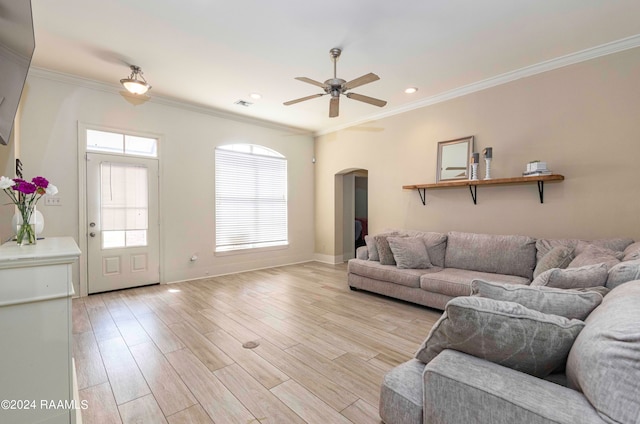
(25, 187)
(40, 182)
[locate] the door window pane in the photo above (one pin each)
(124, 204)
(112, 239)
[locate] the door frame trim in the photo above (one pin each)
(82, 198)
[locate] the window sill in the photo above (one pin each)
(249, 250)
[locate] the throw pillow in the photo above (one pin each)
(557, 257)
(384, 251)
(566, 303)
(592, 255)
(506, 333)
(409, 253)
(623, 272)
(615, 244)
(573, 278)
(371, 247)
(599, 289)
(632, 252)
(436, 246)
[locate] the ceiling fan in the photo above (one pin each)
(337, 86)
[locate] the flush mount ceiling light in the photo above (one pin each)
(133, 84)
(411, 90)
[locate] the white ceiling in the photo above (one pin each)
(213, 53)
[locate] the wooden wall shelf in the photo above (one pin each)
(473, 185)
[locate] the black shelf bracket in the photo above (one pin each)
(474, 193)
(423, 195)
(541, 191)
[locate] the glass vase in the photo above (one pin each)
(26, 227)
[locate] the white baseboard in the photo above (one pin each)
(328, 259)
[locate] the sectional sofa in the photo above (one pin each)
(455, 259)
(533, 331)
(596, 378)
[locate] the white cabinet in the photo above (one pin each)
(36, 371)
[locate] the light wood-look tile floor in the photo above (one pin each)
(174, 353)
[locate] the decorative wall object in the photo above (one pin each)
(488, 155)
(453, 157)
(475, 158)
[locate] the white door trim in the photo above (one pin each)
(82, 198)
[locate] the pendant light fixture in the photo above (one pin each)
(133, 84)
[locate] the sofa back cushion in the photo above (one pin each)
(505, 333)
(632, 252)
(604, 362)
(543, 246)
(570, 304)
(510, 255)
(623, 272)
(436, 244)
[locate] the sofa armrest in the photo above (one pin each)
(362, 253)
(460, 388)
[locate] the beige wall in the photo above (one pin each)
(49, 147)
(584, 120)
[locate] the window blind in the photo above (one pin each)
(124, 198)
(251, 200)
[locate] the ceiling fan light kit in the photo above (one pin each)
(134, 85)
(336, 86)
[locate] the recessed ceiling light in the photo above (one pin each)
(255, 96)
(411, 90)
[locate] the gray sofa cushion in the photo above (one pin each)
(617, 244)
(459, 388)
(558, 257)
(409, 252)
(604, 362)
(457, 282)
(505, 333)
(436, 244)
(384, 250)
(593, 254)
(372, 246)
(401, 394)
(372, 250)
(623, 272)
(509, 255)
(544, 246)
(390, 273)
(573, 278)
(566, 303)
(632, 252)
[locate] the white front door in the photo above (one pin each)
(123, 227)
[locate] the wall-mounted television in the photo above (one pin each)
(17, 43)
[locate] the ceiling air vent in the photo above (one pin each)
(243, 103)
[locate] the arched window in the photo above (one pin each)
(251, 197)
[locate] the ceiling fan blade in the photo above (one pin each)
(302, 99)
(365, 79)
(312, 82)
(366, 99)
(334, 107)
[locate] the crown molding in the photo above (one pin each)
(528, 71)
(82, 82)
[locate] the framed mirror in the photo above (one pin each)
(453, 159)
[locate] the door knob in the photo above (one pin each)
(92, 234)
